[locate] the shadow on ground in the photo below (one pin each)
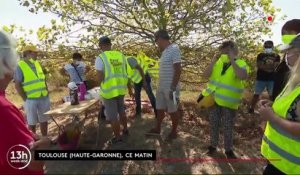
(184, 151)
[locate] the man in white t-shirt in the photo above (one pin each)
(167, 94)
(76, 70)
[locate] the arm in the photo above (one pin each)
(209, 69)
(138, 67)
(63, 71)
(292, 127)
(87, 68)
(100, 70)
(176, 76)
(100, 76)
(289, 126)
(20, 90)
(240, 72)
(277, 62)
(129, 86)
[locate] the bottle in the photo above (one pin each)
(82, 90)
(74, 97)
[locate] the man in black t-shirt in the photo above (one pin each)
(266, 65)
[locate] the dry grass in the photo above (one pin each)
(192, 142)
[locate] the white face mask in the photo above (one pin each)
(268, 50)
(77, 62)
(287, 62)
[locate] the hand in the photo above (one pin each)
(44, 142)
(131, 94)
(266, 112)
(231, 54)
(171, 95)
(264, 102)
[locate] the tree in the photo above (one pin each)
(198, 26)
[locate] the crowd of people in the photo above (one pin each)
(116, 73)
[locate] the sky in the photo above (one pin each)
(13, 13)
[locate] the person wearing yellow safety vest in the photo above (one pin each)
(113, 79)
(138, 74)
(227, 95)
(289, 30)
(30, 82)
(210, 87)
(281, 139)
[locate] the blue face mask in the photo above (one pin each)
(268, 50)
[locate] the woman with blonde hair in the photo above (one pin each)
(281, 140)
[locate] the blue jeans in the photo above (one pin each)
(260, 86)
(137, 94)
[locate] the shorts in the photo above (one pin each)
(261, 85)
(163, 101)
(35, 109)
(113, 107)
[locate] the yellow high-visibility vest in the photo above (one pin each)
(34, 85)
(216, 73)
(133, 74)
(229, 88)
(115, 76)
(277, 143)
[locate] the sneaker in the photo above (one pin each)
(125, 132)
(211, 150)
(115, 140)
(230, 154)
(153, 132)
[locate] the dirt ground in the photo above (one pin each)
(191, 143)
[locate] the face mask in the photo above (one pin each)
(287, 62)
(287, 39)
(268, 50)
(224, 58)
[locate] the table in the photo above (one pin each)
(74, 110)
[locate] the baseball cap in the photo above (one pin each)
(104, 40)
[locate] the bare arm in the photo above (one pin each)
(289, 126)
(209, 69)
(100, 76)
(138, 67)
(176, 76)
(240, 72)
(20, 90)
(63, 71)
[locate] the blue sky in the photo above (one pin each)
(12, 13)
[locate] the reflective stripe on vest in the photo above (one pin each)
(279, 143)
(229, 88)
(34, 84)
(133, 73)
(115, 83)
